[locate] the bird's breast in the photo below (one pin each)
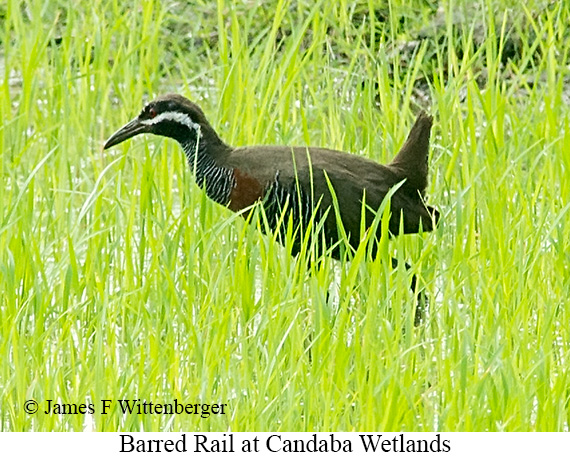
(246, 191)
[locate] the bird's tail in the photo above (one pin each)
(411, 161)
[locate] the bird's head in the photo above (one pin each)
(170, 115)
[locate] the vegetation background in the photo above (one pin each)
(120, 280)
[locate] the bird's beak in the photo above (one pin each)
(133, 128)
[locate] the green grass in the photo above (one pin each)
(120, 280)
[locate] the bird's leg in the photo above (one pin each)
(421, 299)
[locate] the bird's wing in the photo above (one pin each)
(349, 175)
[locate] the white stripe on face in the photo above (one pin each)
(176, 116)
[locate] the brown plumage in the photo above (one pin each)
(294, 177)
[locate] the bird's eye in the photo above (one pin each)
(152, 113)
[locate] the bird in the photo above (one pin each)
(298, 184)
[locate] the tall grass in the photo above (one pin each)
(119, 279)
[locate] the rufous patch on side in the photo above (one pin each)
(246, 192)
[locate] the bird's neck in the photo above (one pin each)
(205, 161)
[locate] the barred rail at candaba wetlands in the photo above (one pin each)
(288, 442)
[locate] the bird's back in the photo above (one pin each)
(314, 171)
